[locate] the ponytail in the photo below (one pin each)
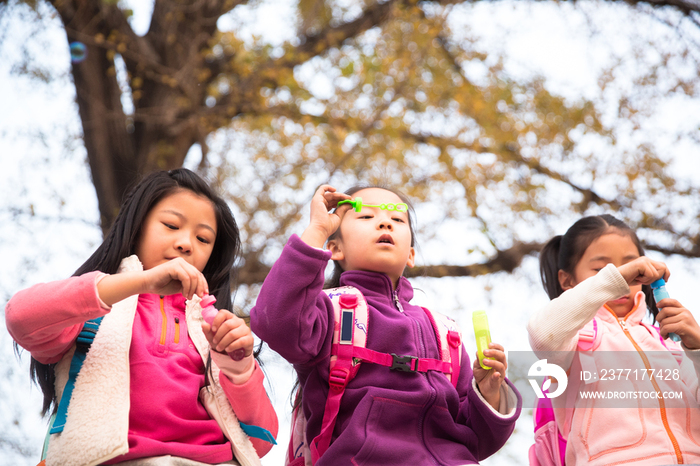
(549, 267)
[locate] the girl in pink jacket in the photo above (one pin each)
(632, 394)
(150, 390)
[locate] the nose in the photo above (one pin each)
(385, 224)
(183, 244)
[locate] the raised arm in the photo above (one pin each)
(291, 313)
(556, 325)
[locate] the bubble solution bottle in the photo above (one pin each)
(659, 289)
(208, 314)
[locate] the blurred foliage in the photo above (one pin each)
(382, 93)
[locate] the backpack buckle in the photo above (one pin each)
(338, 377)
(453, 339)
(403, 363)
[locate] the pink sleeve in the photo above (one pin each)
(46, 318)
(252, 406)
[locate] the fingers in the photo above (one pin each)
(674, 318)
(495, 358)
(643, 271)
(668, 307)
(333, 198)
(660, 266)
(498, 361)
(329, 196)
(230, 333)
(192, 280)
(175, 276)
(323, 222)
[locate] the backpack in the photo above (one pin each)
(549, 448)
(349, 350)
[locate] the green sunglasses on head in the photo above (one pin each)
(357, 205)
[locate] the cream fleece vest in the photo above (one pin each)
(97, 424)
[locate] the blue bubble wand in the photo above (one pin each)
(357, 205)
(659, 289)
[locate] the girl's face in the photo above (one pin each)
(373, 239)
(182, 224)
(611, 248)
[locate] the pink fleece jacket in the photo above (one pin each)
(166, 416)
(600, 432)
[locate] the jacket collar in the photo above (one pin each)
(174, 301)
(377, 284)
(634, 317)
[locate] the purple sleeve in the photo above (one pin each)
(292, 313)
(46, 318)
(491, 429)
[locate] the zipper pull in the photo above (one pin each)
(398, 303)
(623, 324)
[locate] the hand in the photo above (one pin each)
(175, 276)
(322, 223)
(229, 333)
(643, 271)
(489, 381)
(674, 318)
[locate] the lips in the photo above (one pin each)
(385, 239)
(622, 300)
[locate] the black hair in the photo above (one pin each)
(123, 237)
(334, 280)
(564, 252)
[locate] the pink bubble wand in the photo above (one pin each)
(208, 314)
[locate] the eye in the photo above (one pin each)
(203, 240)
(399, 219)
(365, 217)
(170, 226)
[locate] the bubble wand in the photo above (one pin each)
(208, 314)
(659, 289)
(357, 205)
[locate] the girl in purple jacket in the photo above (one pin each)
(386, 417)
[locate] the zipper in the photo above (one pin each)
(164, 325)
(397, 302)
(176, 338)
(662, 406)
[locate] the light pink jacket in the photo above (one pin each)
(649, 432)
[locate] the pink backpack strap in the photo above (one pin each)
(449, 339)
(588, 336)
(550, 447)
(349, 349)
(351, 319)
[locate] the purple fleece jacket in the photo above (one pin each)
(386, 417)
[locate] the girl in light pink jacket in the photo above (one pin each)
(632, 394)
(157, 386)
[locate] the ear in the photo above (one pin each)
(566, 280)
(411, 258)
(333, 246)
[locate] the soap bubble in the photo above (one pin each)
(78, 52)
